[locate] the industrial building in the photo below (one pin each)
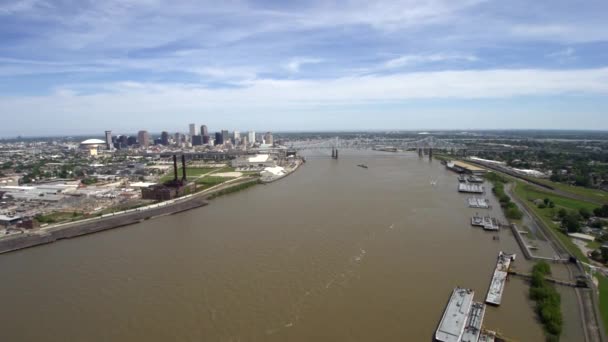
(171, 189)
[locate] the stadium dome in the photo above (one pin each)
(93, 142)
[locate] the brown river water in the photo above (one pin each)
(334, 252)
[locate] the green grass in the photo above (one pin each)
(603, 287)
(528, 193)
(209, 181)
(592, 194)
(190, 173)
(58, 217)
(235, 188)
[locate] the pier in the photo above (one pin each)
(581, 281)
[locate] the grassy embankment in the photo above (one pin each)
(592, 194)
(511, 210)
(235, 188)
(528, 193)
(58, 217)
(547, 300)
(603, 287)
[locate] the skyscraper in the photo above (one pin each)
(109, 144)
(236, 136)
(225, 136)
(143, 138)
(164, 138)
(252, 137)
(268, 138)
(218, 138)
(204, 130)
(192, 129)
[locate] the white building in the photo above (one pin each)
(251, 137)
(192, 130)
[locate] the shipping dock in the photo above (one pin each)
(501, 272)
(462, 179)
(470, 188)
(481, 203)
(462, 319)
(485, 222)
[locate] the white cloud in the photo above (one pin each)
(408, 60)
(295, 63)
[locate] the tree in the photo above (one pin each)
(585, 213)
(605, 254)
(601, 212)
(571, 222)
(562, 213)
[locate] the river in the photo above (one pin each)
(334, 252)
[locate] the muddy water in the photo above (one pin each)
(334, 252)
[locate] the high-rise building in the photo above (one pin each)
(244, 140)
(204, 130)
(225, 136)
(143, 138)
(219, 139)
(109, 144)
(192, 130)
(268, 138)
(206, 139)
(122, 141)
(197, 140)
(131, 140)
(164, 138)
(252, 137)
(236, 137)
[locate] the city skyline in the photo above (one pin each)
(73, 67)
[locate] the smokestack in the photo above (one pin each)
(184, 167)
(175, 167)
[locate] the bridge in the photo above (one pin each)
(424, 146)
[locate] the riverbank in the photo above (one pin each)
(52, 233)
(93, 225)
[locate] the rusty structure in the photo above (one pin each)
(172, 189)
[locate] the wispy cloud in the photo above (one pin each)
(409, 60)
(295, 63)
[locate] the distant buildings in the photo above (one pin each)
(236, 137)
(219, 139)
(143, 138)
(164, 138)
(109, 144)
(252, 137)
(204, 131)
(192, 130)
(197, 140)
(268, 139)
(225, 136)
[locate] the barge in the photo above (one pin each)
(462, 319)
(485, 222)
(480, 203)
(499, 278)
(470, 188)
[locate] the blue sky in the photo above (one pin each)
(81, 67)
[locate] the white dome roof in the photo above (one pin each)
(93, 142)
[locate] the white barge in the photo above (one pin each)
(470, 188)
(453, 323)
(499, 278)
(481, 203)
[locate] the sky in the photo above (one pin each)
(83, 67)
